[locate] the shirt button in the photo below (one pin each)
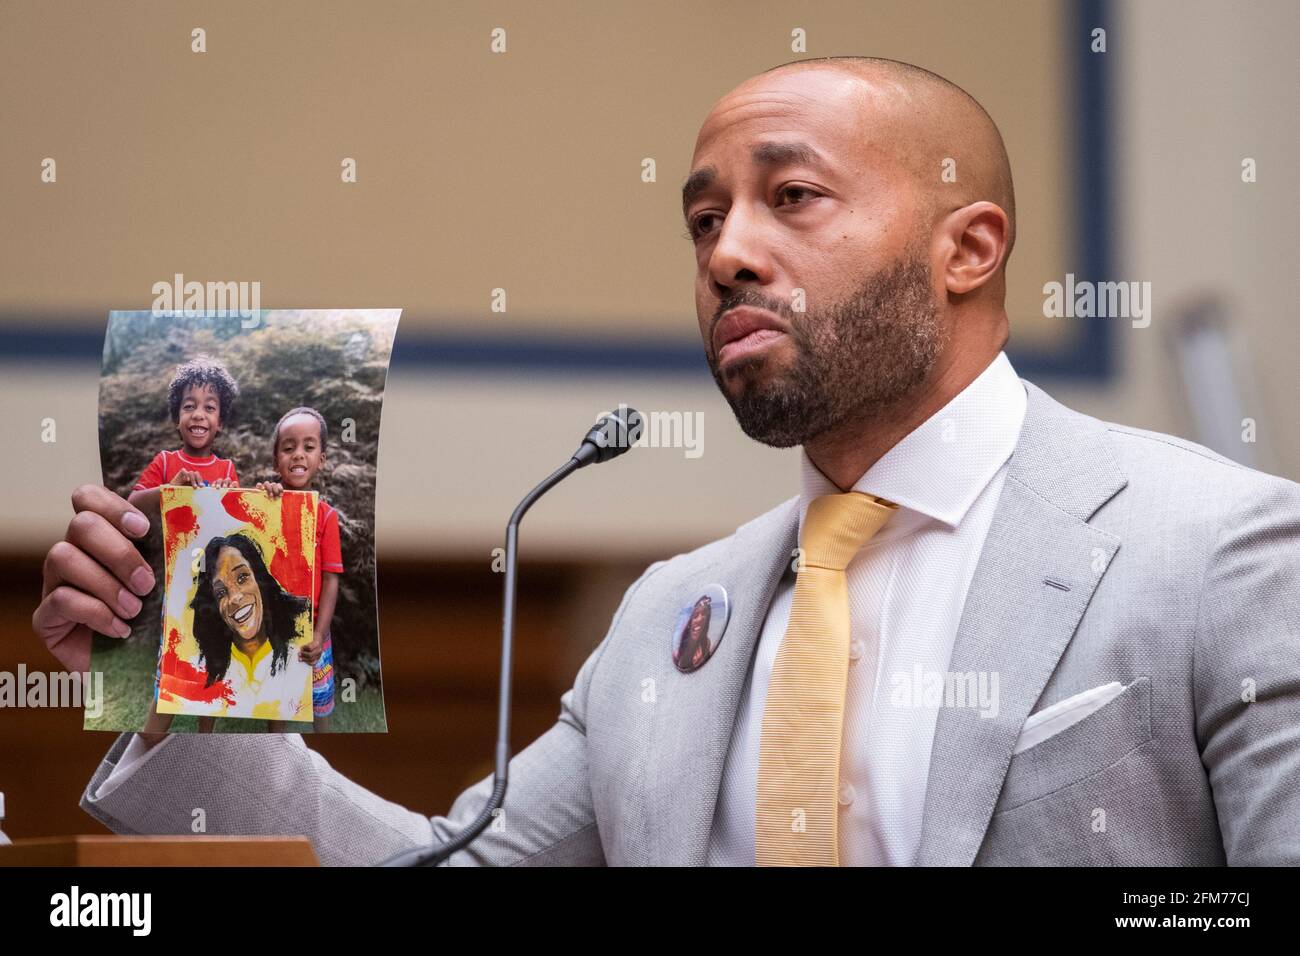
(847, 794)
(856, 650)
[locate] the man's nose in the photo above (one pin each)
(741, 253)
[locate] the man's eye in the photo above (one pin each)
(787, 190)
(696, 230)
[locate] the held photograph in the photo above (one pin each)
(252, 447)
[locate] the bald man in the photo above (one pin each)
(988, 629)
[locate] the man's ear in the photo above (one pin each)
(974, 242)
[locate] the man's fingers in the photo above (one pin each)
(66, 640)
(114, 508)
(66, 607)
(92, 533)
(67, 564)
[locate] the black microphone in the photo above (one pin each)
(614, 433)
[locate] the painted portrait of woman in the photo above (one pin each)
(693, 643)
(245, 624)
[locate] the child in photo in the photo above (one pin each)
(201, 398)
(298, 450)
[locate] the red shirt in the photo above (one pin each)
(166, 465)
(329, 553)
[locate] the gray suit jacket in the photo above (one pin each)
(1114, 555)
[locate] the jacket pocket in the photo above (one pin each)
(1103, 738)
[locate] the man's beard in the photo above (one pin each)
(853, 360)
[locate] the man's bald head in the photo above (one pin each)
(851, 220)
(929, 119)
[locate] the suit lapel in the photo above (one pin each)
(693, 719)
(1040, 565)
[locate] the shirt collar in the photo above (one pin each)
(938, 469)
(212, 456)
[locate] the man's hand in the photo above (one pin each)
(92, 577)
(272, 488)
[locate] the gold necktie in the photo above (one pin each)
(796, 820)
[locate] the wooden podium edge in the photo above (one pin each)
(76, 851)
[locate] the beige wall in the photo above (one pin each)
(476, 170)
(1202, 85)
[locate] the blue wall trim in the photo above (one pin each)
(1088, 355)
(24, 338)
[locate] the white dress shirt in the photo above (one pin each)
(907, 587)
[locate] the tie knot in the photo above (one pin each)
(837, 526)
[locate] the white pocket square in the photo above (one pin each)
(1051, 720)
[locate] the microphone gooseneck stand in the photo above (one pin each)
(613, 434)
